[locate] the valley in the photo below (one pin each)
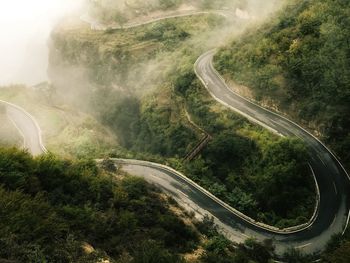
(138, 92)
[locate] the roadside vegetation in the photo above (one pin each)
(243, 164)
(55, 210)
(132, 60)
(141, 94)
(300, 62)
(67, 130)
(51, 209)
(138, 84)
(122, 12)
(119, 97)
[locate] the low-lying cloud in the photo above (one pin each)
(24, 29)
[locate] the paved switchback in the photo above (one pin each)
(27, 127)
(332, 180)
(331, 177)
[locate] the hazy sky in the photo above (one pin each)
(25, 26)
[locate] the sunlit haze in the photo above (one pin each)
(25, 26)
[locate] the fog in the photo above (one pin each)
(25, 26)
(246, 15)
(84, 82)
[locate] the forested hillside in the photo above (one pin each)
(301, 62)
(140, 82)
(128, 77)
(132, 92)
(143, 82)
(55, 210)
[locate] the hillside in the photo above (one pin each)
(52, 207)
(133, 92)
(131, 89)
(55, 210)
(298, 63)
(67, 130)
(122, 12)
(140, 82)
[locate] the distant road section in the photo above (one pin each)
(96, 25)
(27, 127)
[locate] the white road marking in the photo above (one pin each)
(183, 193)
(245, 235)
(335, 188)
(347, 223)
(302, 246)
(319, 157)
(19, 131)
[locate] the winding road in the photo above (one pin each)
(96, 25)
(332, 213)
(332, 180)
(26, 126)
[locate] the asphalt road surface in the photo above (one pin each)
(332, 179)
(26, 126)
(333, 183)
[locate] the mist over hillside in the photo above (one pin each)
(149, 88)
(25, 27)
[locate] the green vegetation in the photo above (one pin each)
(220, 250)
(116, 11)
(300, 60)
(143, 112)
(337, 250)
(119, 57)
(67, 131)
(56, 210)
(150, 129)
(243, 163)
(122, 12)
(242, 159)
(50, 208)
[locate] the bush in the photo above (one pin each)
(74, 203)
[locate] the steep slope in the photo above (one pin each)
(53, 210)
(140, 80)
(300, 63)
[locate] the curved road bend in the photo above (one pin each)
(332, 179)
(27, 127)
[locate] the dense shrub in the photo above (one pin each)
(50, 207)
(300, 60)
